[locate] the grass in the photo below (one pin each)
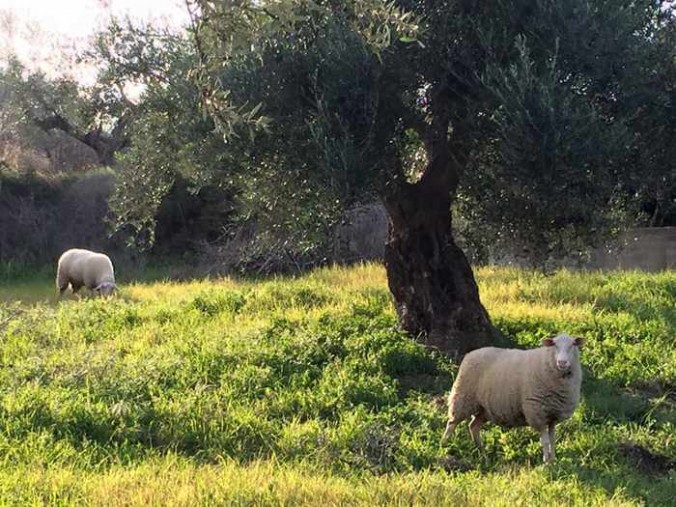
(302, 391)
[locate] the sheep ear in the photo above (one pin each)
(579, 342)
(548, 342)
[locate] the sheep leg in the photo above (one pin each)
(552, 440)
(61, 282)
(450, 427)
(546, 445)
(456, 414)
(474, 429)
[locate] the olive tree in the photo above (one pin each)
(516, 106)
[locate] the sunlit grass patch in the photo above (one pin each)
(173, 481)
(298, 390)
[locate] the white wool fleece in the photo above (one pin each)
(510, 387)
(79, 267)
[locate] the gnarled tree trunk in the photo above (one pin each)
(432, 283)
(435, 294)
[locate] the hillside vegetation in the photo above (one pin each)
(302, 391)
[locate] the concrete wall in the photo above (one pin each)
(645, 248)
(362, 234)
(364, 231)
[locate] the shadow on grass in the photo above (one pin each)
(599, 457)
(625, 480)
(639, 472)
(607, 401)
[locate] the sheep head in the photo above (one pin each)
(567, 350)
(105, 289)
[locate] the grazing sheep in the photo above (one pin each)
(538, 388)
(83, 267)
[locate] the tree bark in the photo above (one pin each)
(105, 145)
(435, 294)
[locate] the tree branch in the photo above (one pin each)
(444, 166)
(56, 121)
(104, 145)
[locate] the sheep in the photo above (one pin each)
(537, 388)
(79, 267)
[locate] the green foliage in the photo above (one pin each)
(174, 152)
(163, 195)
(299, 105)
(566, 132)
(315, 385)
(539, 103)
(41, 115)
(35, 98)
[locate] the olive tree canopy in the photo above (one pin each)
(540, 117)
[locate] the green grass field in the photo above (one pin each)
(301, 390)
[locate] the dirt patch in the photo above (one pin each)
(440, 401)
(655, 389)
(644, 460)
(424, 382)
(453, 464)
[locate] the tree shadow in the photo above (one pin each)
(621, 467)
(627, 466)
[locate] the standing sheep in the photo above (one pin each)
(510, 387)
(83, 267)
